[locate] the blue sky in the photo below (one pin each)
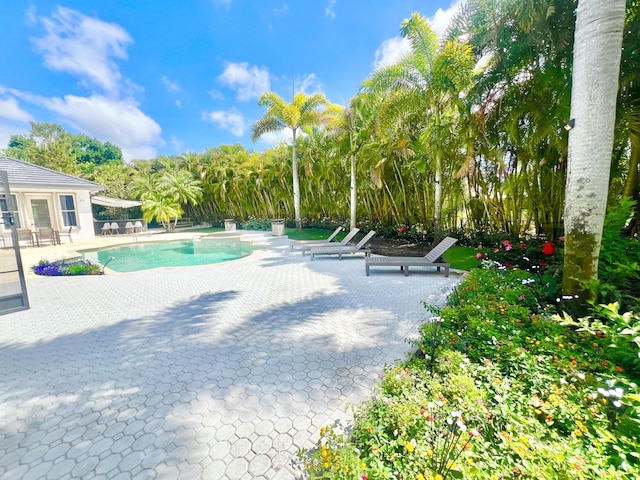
(162, 77)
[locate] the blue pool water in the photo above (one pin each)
(183, 253)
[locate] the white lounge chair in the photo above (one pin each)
(295, 244)
(429, 260)
(304, 248)
(345, 249)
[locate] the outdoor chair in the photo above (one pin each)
(340, 250)
(25, 235)
(115, 228)
(106, 229)
(305, 247)
(128, 228)
(431, 259)
(66, 234)
(46, 235)
(296, 243)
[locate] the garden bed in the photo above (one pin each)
(68, 267)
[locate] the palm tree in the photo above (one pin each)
(161, 208)
(433, 79)
(302, 112)
(596, 69)
(352, 129)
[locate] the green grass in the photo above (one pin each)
(312, 234)
(462, 258)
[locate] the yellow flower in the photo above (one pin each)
(577, 432)
(437, 476)
(409, 446)
(326, 464)
(430, 452)
(451, 465)
(324, 452)
(323, 430)
(420, 477)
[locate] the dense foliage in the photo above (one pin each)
(500, 388)
(484, 149)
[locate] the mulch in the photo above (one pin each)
(398, 248)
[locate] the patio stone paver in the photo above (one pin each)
(219, 371)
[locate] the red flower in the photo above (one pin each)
(543, 264)
(548, 248)
(357, 224)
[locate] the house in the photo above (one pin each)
(45, 198)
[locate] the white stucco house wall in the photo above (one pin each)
(47, 198)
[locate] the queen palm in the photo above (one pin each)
(432, 79)
(302, 112)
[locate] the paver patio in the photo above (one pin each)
(218, 371)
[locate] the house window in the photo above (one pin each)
(4, 206)
(68, 210)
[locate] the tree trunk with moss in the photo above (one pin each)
(596, 67)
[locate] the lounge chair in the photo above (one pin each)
(297, 243)
(429, 260)
(305, 247)
(344, 249)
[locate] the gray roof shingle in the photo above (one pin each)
(25, 174)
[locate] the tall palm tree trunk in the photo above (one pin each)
(596, 67)
(354, 197)
(296, 184)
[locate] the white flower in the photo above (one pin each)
(461, 426)
(617, 404)
(603, 392)
(456, 414)
(563, 381)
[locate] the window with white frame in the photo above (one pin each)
(5, 207)
(68, 210)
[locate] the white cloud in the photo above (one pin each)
(231, 120)
(118, 121)
(215, 94)
(391, 51)
(10, 110)
(442, 18)
(310, 83)
(7, 130)
(171, 86)
(84, 46)
(330, 11)
(273, 138)
(249, 82)
(281, 11)
(175, 143)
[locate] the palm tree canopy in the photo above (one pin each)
(303, 111)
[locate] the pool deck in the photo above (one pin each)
(219, 371)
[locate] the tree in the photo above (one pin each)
(596, 68)
(433, 78)
(90, 150)
(352, 128)
(302, 112)
(48, 145)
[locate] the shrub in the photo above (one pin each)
(67, 268)
(501, 389)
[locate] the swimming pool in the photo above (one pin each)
(178, 253)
